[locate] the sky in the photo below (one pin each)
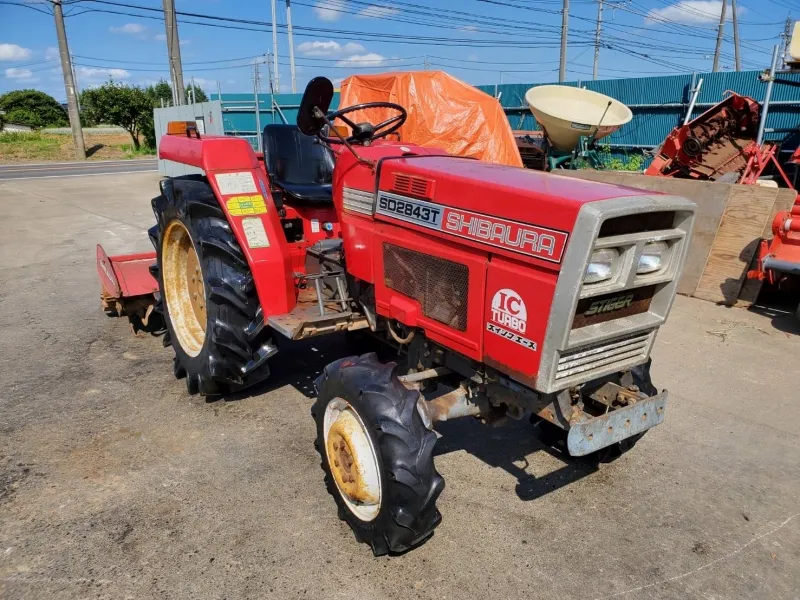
(478, 41)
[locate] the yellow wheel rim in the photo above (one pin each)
(184, 288)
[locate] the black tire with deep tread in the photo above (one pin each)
(408, 513)
(232, 357)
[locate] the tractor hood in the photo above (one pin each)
(473, 199)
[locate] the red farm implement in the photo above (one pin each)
(505, 292)
(719, 145)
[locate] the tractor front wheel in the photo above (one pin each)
(208, 299)
(377, 454)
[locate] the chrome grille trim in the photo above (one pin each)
(357, 201)
(600, 359)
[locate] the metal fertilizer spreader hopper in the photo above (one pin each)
(573, 120)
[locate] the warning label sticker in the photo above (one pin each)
(254, 233)
(236, 183)
(240, 206)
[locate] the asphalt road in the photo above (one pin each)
(76, 169)
(115, 484)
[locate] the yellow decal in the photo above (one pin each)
(238, 206)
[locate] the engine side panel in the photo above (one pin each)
(432, 284)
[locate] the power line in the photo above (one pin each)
(24, 5)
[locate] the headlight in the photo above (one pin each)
(653, 257)
(602, 265)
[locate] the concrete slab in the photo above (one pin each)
(115, 484)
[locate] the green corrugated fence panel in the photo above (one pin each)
(653, 101)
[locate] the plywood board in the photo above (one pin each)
(746, 214)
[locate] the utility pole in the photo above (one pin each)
(291, 43)
(426, 63)
(69, 82)
(786, 35)
(271, 76)
(562, 69)
(736, 48)
(174, 50)
(720, 31)
(256, 89)
(275, 46)
(597, 38)
(77, 84)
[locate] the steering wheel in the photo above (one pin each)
(364, 132)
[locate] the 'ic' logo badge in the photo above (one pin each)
(508, 309)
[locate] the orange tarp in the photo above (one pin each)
(443, 112)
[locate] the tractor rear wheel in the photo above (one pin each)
(377, 454)
(208, 299)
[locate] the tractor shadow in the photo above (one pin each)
(299, 363)
(508, 447)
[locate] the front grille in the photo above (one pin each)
(357, 201)
(591, 360)
(439, 285)
(653, 221)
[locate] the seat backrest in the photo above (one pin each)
(293, 158)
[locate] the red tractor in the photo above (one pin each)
(507, 292)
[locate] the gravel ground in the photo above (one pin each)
(115, 484)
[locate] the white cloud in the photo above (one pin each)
(378, 11)
(370, 59)
(330, 10)
(468, 28)
(89, 73)
(51, 53)
(15, 73)
(692, 12)
(13, 52)
(329, 48)
(202, 83)
(128, 29)
(162, 37)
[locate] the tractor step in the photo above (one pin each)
(305, 322)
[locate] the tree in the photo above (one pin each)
(32, 108)
(126, 106)
(199, 94)
(161, 93)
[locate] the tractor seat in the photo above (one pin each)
(298, 165)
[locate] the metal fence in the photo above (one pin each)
(658, 105)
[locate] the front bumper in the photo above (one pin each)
(596, 433)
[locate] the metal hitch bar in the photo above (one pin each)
(596, 433)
